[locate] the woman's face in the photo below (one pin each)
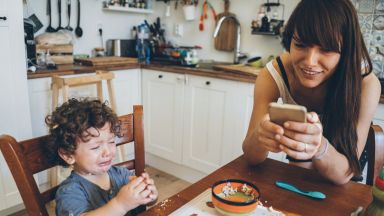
(312, 64)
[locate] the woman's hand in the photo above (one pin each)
(267, 131)
(301, 140)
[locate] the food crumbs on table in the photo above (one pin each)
(210, 204)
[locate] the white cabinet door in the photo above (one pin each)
(242, 110)
(14, 110)
(127, 85)
(209, 122)
(163, 113)
(40, 100)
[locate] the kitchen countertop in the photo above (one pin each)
(78, 69)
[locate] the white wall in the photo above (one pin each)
(245, 10)
(118, 25)
(114, 24)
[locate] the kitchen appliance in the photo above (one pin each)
(121, 47)
(29, 40)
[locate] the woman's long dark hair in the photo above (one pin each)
(333, 25)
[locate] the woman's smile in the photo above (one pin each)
(310, 73)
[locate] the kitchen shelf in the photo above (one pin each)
(127, 9)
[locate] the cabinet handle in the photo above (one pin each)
(3, 18)
(207, 83)
(160, 76)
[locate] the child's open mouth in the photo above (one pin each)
(106, 163)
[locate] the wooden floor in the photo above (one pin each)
(166, 184)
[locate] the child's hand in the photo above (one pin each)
(151, 186)
(133, 194)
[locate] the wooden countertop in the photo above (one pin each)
(78, 69)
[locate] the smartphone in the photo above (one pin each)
(280, 113)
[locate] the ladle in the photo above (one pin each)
(59, 8)
(78, 30)
(49, 28)
(68, 27)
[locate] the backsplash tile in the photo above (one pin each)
(371, 19)
(366, 6)
(379, 8)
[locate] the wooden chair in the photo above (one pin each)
(375, 144)
(28, 157)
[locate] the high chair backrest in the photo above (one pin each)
(375, 144)
(28, 157)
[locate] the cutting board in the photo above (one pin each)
(239, 69)
(225, 39)
(107, 60)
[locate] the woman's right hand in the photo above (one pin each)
(267, 131)
(133, 194)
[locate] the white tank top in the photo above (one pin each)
(283, 89)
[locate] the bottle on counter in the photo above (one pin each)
(376, 208)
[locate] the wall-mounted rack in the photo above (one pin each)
(127, 9)
(265, 25)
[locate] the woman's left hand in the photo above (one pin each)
(302, 141)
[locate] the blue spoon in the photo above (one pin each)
(290, 187)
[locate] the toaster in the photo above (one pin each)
(121, 47)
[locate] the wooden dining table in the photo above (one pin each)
(340, 199)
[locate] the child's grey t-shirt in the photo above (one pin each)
(77, 195)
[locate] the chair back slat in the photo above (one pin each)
(375, 142)
(36, 155)
(126, 131)
(22, 175)
(28, 157)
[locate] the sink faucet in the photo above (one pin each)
(237, 54)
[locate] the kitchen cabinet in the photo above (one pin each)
(163, 99)
(196, 122)
(14, 111)
(127, 84)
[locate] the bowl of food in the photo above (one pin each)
(235, 197)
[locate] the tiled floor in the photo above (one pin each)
(166, 184)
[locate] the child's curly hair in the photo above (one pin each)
(71, 121)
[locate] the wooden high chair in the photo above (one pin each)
(64, 83)
(28, 157)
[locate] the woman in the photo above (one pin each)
(326, 69)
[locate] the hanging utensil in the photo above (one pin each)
(69, 28)
(78, 30)
(203, 16)
(49, 12)
(59, 9)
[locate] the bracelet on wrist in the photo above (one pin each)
(321, 155)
